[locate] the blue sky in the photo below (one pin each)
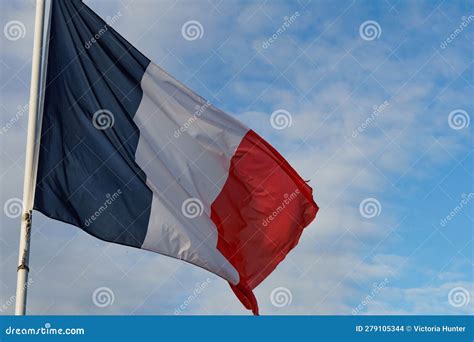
(413, 159)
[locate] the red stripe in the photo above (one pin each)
(260, 213)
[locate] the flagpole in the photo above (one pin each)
(29, 181)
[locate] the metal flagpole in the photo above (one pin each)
(29, 182)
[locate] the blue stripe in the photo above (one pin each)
(88, 176)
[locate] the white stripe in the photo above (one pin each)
(185, 148)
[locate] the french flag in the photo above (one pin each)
(132, 156)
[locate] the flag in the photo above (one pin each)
(132, 156)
